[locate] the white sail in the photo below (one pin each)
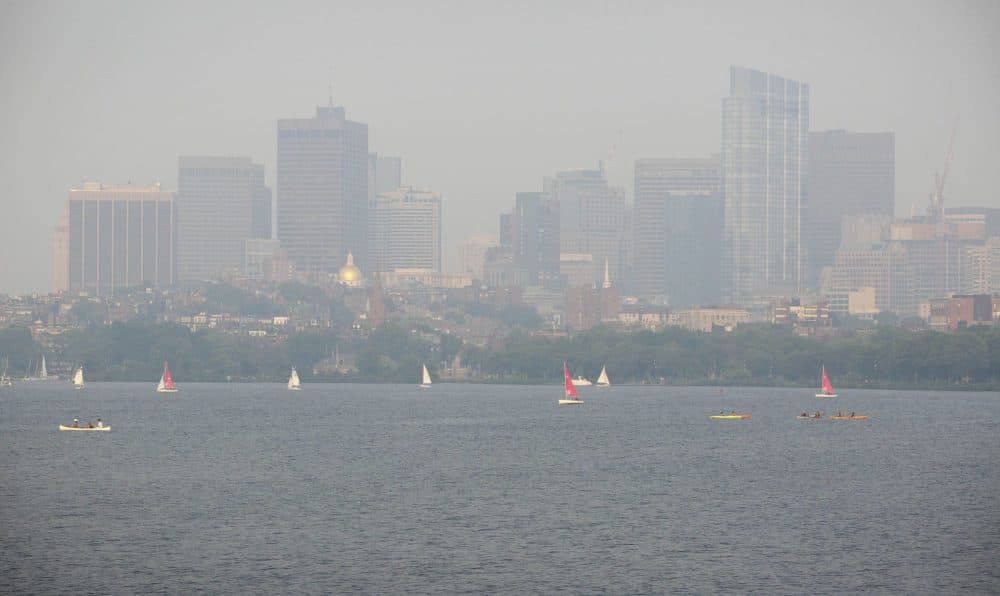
(162, 385)
(43, 373)
(293, 381)
(78, 378)
(603, 379)
(426, 380)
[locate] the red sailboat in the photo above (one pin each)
(827, 390)
(166, 384)
(571, 396)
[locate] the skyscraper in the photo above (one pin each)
(678, 230)
(261, 211)
(765, 125)
(849, 174)
(405, 230)
(591, 217)
(216, 197)
(385, 173)
(115, 237)
(323, 190)
(535, 237)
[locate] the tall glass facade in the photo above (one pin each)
(765, 128)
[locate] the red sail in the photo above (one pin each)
(570, 389)
(168, 381)
(827, 387)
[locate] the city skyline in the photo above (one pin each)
(456, 127)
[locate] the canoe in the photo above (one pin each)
(103, 428)
(730, 416)
(809, 417)
(848, 417)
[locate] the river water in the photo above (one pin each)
(470, 488)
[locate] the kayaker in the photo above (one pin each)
(818, 415)
(803, 415)
(852, 414)
(99, 423)
(90, 425)
(76, 423)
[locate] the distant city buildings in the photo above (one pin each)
(678, 230)
(591, 217)
(535, 237)
(849, 174)
(219, 206)
(765, 125)
(323, 190)
(472, 254)
(112, 237)
(385, 174)
(405, 230)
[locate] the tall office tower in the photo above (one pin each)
(215, 214)
(535, 237)
(405, 230)
(260, 226)
(765, 125)
(678, 230)
(384, 174)
(850, 174)
(591, 217)
(323, 190)
(117, 236)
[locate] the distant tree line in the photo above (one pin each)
(753, 355)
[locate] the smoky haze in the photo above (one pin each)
(479, 99)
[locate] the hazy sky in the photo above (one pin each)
(481, 99)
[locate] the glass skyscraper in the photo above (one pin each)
(765, 128)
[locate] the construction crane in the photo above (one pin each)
(936, 210)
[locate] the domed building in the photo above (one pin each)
(349, 274)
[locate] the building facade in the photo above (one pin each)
(217, 204)
(322, 190)
(591, 217)
(535, 237)
(850, 174)
(765, 124)
(678, 230)
(405, 230)
(112, 237)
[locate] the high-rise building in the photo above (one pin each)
(323, 190)
(678, 230)
(765, 125)
(216, 200)
(405, 230)
(385, 173)
(850, 174)
(591, 217)
(535, 237)
(261, 210)
(115, 237)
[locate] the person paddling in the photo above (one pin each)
(99, 423)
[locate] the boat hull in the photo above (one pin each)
(848, 417)
(295, 389)
(83, 428)
(808, 417)
(731, 416)
(570, 402)
(166, 391)
(826, 395)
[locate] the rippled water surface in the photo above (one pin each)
(390, 489)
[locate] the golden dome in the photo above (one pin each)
(349, 273)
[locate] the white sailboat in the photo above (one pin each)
(581, 381)
(293, 381)
(425, 381)
(5, 379)
(602, 381)
(41, 374)
(78, 378)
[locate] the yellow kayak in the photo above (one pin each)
(102, 428)
(730, 416)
